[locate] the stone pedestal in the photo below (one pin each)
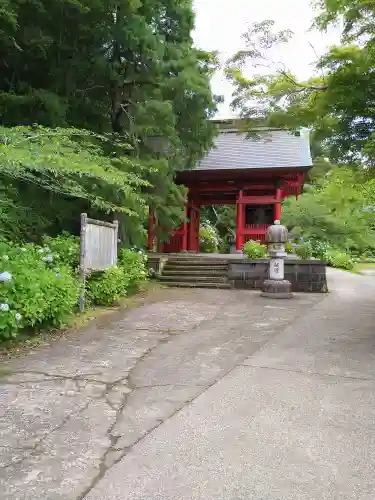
(277, 289)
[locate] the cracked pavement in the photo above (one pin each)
(127, 408)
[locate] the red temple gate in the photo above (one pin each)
(255, 176)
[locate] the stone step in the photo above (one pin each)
(185, 284)
(198, 263)
(194, 279)
(195, 272)
(186, 265)
(196, 269)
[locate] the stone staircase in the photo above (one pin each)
(194, 272)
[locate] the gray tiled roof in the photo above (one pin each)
(270, 149)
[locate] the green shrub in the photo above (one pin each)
(209, 241)
(64, 248)
(338, 259)
(365, 258)
(289, 248)
(107, 287)
(63, 293)
(39, 286)
(254, 250)
(34, 292)
(304, 251)
(225, 243)
(134, 265)
(319, 248)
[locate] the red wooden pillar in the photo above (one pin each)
(300, 178)
(198, 226)
(240, 222)
(193, 239)
(277, 213)
(151, 230)
(185, 230)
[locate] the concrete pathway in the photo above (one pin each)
(200, 395)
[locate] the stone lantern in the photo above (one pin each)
(276, 287)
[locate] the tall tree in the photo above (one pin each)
(336, 104)
(127, 68)
(342, 120)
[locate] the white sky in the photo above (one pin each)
(220, 24)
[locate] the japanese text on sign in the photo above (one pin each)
(277, 269)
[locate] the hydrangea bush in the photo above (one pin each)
(33, 291)
(254, 250)
(65, 249)
(322, 250)
(304, 251)
(290, 247)
(108, 287)
(39, 285)
(338, 259)
(209, 240)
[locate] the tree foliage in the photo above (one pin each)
(336, 105)
(341, 120)
(223, 219)
(103, 79)
(39, 285)
(338, 210)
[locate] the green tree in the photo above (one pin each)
(62, 165)
(223, 219)
(342, 121)
(338, 210)
(336, 105)
(128, 69)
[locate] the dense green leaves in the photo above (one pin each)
(70, 162)
(38, 293)
(127, 71)
(254, 250)
(337, 105)
(337, 210)
(336, 102)
(39, 285)
(209, 240)
(357, 17)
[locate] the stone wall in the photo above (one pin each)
(305, 275)
(156, 263)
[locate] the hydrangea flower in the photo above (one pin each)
(4, 307)
(48, 259)
(18, 317)
(5, 277)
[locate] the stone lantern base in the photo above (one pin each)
(277, 289)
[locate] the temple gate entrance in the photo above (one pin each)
(253, 174)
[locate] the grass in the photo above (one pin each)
(358, 268)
